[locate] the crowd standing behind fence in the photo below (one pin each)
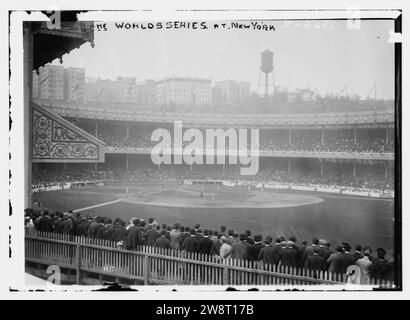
(223, 244)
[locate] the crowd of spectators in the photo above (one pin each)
(369, 141)
(371, 178)
(340, 140)
(317, 256)
(58, 176)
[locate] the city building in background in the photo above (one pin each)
(48, 83)
(230, 92)
(146, 93)
(126, 89)
(183, 91)
(74, 80)
(122, 90)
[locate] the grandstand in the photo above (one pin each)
(339, 149)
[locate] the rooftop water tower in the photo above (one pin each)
(267, 68)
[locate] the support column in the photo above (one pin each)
(96, 128)
(387, 135)
(386, 169)
(354, 168)
(126, 161)
(323, 135)
(321, 167)
(96, 166)
(290, 136)
(65, 166)
(27, 114)
(128, 130)
(355, 135)
(289, 166)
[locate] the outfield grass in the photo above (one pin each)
(352, 219)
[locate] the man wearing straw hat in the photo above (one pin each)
(226, 248)
(364, 265)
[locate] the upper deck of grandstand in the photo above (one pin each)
(378, 117)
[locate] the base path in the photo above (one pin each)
(97, 205)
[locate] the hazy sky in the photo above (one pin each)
(325, 56)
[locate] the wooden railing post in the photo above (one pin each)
(225, 274)
(146, 269)
(78, 263)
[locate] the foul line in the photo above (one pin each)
(356, 197)
(97, 205)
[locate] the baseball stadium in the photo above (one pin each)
(320, 208)
(332, 193)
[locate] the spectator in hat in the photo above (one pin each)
(379, 265)
(67, 225)
(190, 243)
(185, 232)
(331, 261)
(315, 262)
(118, 233)
(205, 243)
(108, 230)
(390, 271)
(346, 247)
(309, 250)
(162, 242)
(358, 252)
(198, 233)
(223, 229)
(364, 264)
(231, 239)
(276, 248)
(324, 250)
(300, 253)
(216, 246)
(143, 230)
(58, 223)
(288, 254)
(85, 225)
(133, 237)
(253, 249)
(248, 234)
(93, 228)
(240, 248)
(226, 249)
(45, 223)
(173, 237)
(267, 253)
(293, 239)
(29, 227)
(152, 235)
(344, 260)
(150, 221)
